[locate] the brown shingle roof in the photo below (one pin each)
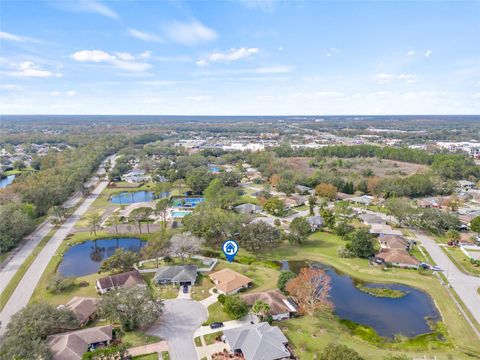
(82, 307)
(127, 280)
(393, 241)
(398, 256)
(228, 280)
(274, 298)
(72, 345)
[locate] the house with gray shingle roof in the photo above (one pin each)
(177, 274)
(258, 342)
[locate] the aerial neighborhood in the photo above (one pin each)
(334, 242)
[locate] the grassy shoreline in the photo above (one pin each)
(381, 292)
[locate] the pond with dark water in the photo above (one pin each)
(387, 316)
(7, 180)
(86, 258)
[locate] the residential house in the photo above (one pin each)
(397, 257)
(294, 200)
(135, 176)
(258, 342)
(229, 282)
(280, 307)
(434, 202)
(84, 308)
(177, 274)
(119, 281)
(361, 200)
(383, 229)
(315, 222)
(247, 208)
(393, 242)
(304, 190)
(466, 184)
(371, 219)
(72, 345)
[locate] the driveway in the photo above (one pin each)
(180, 319)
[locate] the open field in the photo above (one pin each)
(354, 166)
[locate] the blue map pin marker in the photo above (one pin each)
(230, 249)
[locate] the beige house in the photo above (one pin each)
(120, 281)
(280, 307)
(397, 257)
(72, 345)
(84, 308)
(229, 282)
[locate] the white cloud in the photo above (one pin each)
(411, 53)
(122, 60)
(145, 54)
(228, 56)
(383, 79)
(476, 96)
(144, 35)
(265, 5)
(319, 95)
(71, 93)
(200, 98)
(16, 38)
(277, 69)
(90, 6)
(30, 69)
(331, 52)
(428, 53)
(92, 56)
(190, 33)
(55, 93)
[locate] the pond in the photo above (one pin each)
(86, 258)
(126, 198)
(388, 316)
(6, 181)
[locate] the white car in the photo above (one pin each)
(437, 268)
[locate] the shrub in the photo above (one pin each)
(59, 283)
(221, 298)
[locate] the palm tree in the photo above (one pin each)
(161, 209)
(94, 220)
(260, 308)
(116, 220)
(180, 183)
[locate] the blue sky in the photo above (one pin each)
(239, 57)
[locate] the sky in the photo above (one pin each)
(244, 57)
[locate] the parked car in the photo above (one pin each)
(437, 268)
(216, 325)
(424, 266)
(185, 289)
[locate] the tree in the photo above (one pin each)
(284, 278)
(299, 229)
(185, 245)
(116, 220)
(344, 229)
(453, 235)
(334, 351)
(19, 165)
(133, 308)
(361, 243)
(198, 179)
(312, 200)
(59, 212)
(259, 237)
(141, 214)
(274, 180)
(121, 261)
(94, 220)
(275, 206)
(328, 217)
(27, 330)
(475, 225)
(59, 283)
(235, 306)
(260, 308)
(310, 289)
(15, 223)
(162, 189)
(157, 246)
(401, 208)
(161, 208)
(179, 184)
(328, 191)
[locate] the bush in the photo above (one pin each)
(235, 306)
(221, 298)
(284, 278)
(343, 252)
(59, 283)
(335, 351)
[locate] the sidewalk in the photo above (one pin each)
(158, 347)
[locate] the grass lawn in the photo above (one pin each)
(310, 334)
(211, 338)
(165, 355)
(161, 291)
(216, 313)
(198, 341)
(138, 338)
(461, 260)
(322, 246)
(152, 356)
(264, 278)
(200, 289)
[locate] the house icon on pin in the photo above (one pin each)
(230, 249)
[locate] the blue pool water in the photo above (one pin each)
(6, 181)
(190, 202)
(86, 258)
(180, 214)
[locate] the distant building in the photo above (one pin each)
(397, 257)
(72, 345)
(229, 282)
(120, 281)
(315, 222)
(177, 274)
(304, 190)
(280, 307)
(247, 208)
(382, 229)
(466, 184)
(362, 200)
(258, 342)
(135, 176)
(393, 242)
(294, 200)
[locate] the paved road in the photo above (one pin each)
(26, 286)
(180, 319)
(465, 285)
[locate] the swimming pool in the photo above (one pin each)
(180, 214)
(187, 202)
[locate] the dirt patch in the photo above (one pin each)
(301, 164)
